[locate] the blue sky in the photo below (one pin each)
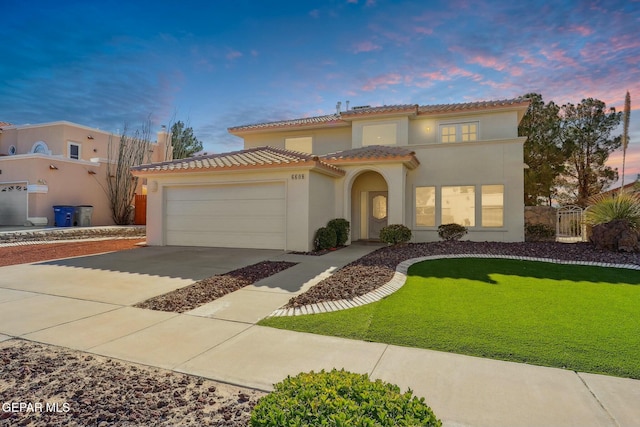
(216, 64)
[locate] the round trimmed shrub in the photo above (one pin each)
(325, 239)
(395, 233)
(340, 398)
(451, 231)
(341, 227)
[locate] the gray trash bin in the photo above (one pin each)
(83, 215)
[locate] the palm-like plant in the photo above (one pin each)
(608, 207)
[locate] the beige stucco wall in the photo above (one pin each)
(492, 126)
(325, 141)
(476, 163)
(304, 213)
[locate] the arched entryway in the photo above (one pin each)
(369, 205)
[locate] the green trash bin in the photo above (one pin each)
(83, 215)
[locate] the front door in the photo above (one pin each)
(377, 213)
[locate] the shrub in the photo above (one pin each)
(341, 227)
(395, 233)
(538, 232)
(340, 398)
(451, 231)
(607, 207)
(325, 239)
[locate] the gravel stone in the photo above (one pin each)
(212, 288)
(101, 391)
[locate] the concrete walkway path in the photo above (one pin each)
(221, 341)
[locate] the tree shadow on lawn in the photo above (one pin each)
(481, 269)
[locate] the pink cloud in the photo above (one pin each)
(423, 30)
(382, 81)
(366, 46)
(580, 29)
(559, 55)
(233, 54)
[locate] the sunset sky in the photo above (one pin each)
(216, 64)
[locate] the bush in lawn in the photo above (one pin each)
(451, 231)
(341, 227)
(395, 233)
(340, 398)
(325, 239)
(538, 232)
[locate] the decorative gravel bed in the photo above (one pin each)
(212, 288)
(373, 270)
(70, 388)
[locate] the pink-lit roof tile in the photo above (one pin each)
(252, 158)
(343, 118)
(375, 154)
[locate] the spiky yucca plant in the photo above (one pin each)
(607, 207)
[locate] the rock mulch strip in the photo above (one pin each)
(100, 391)
(378, 268)
(71, 233)
(212, 288)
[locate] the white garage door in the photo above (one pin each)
(13, 204)
(229, 216)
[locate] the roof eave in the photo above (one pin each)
(310, 164)
(411, 162)
(283, 128)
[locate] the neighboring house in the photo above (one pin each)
(420, 166)
(58, 163)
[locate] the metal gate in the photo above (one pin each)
(570, 226)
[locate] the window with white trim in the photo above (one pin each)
(73, 150)
(459, 132)
(300, 144)
(459, 205)
(426, 206)
(492, 205)
(40, 147)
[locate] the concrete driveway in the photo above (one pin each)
(126, 277)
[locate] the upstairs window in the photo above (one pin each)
(302, 144)
(40, 147)
(74, 151)
(459, 132)
(384, 134)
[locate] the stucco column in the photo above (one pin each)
(396, 180)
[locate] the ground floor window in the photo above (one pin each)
(458, 204)
(426, 206)
(492, 205)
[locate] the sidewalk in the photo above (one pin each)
(221, 341)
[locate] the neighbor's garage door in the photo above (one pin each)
(13, 204)
(230, 216)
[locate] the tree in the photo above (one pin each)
(121, 184)
(542, 151)
(184, 143)
(587, 143)
(625, 132)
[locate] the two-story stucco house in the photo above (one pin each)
(59, 163)
(420, 166)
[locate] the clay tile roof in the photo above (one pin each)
(4, 124)
(343, 118)
(385, 109)
(480, 105)
(333, 119)
(374, 153)
(252, 158)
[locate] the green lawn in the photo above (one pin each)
(581, 318)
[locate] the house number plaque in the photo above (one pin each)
(297, 176)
